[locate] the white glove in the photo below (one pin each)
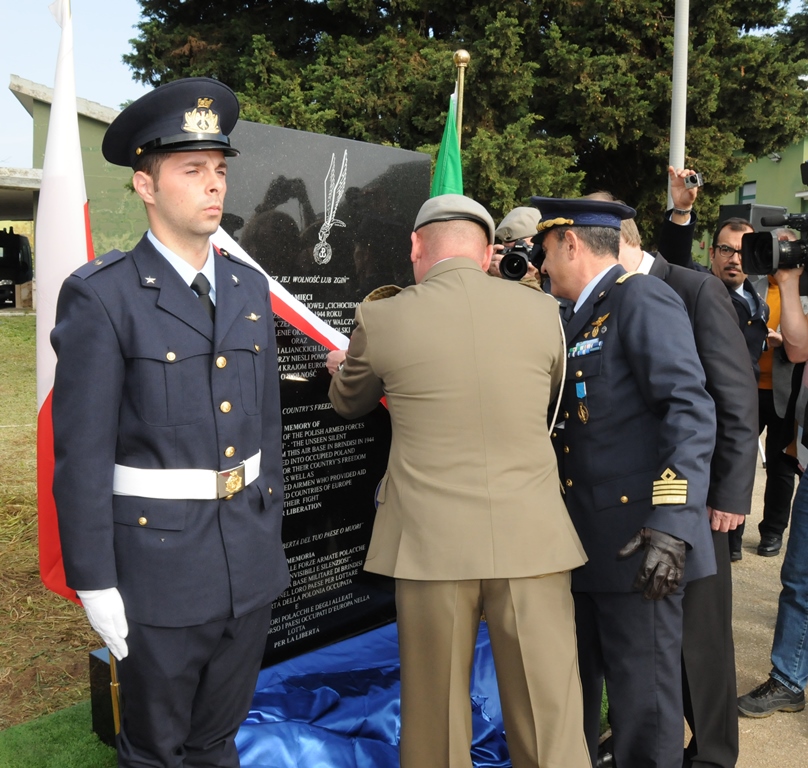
(105, 611)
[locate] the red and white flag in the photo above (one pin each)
(63, 243)
(286, 306)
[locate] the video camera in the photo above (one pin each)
(515, 259)
(762, 253)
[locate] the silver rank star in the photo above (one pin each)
(235, 279)
(150, 280)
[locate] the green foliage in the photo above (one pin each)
(561, 96)
(61, 740)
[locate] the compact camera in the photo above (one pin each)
(694, 180)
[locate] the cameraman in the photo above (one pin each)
(784, 691)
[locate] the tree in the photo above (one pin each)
(562, 96)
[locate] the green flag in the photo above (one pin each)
(448, 178)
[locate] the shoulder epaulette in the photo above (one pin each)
(235, 259)
(532, 282)
(97, 264)
(383, 292)
(622, 279)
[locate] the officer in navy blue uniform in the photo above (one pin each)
(635, 447)
(166, 411)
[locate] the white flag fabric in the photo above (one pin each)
(284, 305)
(63, 243)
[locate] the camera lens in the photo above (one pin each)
(513, 265)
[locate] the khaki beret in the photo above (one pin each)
(452, 208)
(518, 224)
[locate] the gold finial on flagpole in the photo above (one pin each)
(461, 61)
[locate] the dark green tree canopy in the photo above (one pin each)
(562, 96)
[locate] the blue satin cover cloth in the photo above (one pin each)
(338, 707)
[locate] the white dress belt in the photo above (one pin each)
(185, 483)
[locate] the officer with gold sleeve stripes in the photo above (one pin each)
(166, 413)
(635, 446)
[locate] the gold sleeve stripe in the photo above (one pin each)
(661, 500)
(669, 490)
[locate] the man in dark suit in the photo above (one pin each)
(708, 652)
(676, 238)
(636, 445)
(168, 478)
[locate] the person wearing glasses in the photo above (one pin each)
(753, 317)
(752, 310)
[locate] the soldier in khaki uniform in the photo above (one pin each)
(470, 516)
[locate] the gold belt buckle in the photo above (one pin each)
(230, 481)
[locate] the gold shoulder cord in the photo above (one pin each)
(622, 279)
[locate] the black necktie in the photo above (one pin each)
(201, 286)
(567, 311)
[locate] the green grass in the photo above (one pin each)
(63, 739)
(44, 639)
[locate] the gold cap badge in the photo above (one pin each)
(202, 119)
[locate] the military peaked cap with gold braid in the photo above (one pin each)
(182, 116)
(580, 212)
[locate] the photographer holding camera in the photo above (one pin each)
(784, 691)
(511, 259)
(757, 307)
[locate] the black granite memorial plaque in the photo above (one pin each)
(330, 219)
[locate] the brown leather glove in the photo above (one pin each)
(662, 567)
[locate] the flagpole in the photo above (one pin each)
(63, 243)
(676, 149)
(461, 60)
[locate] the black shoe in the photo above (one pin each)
(770, 697)
(735, 555)
(770, 544)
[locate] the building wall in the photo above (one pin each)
(117, 217)
(777, 183)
